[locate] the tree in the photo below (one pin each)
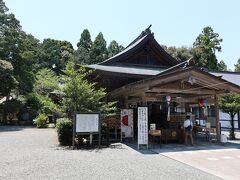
(81, 55)
(14, 45)
(46, 82)
(8, 82)
(85, 40)
(180, 53)
(230, 104)
(237, 66)
(221, 66)
(98, 52)
(54, 54)
(113, 48)
(205, 47)
(82, 95)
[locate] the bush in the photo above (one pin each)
(64, 131)
(41, 121)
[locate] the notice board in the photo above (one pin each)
(87, 123)
(142, 126)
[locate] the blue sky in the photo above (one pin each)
(174, 22)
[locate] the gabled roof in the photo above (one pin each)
(144, 38)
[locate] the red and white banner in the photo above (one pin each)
(126, 123)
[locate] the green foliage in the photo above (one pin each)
(113, 48)
(181, 54)
(222, 66)
(230, 104)
(205, 46)
(237, 66)
(12, 106)
(46, 82)
(81, 55)
(82, 95)
(8, 82)
(85, 40)
(64, 131)
(54, 54)
(16, 49)
(98, 52)
(41, 121)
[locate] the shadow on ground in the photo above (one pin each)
(6, 128)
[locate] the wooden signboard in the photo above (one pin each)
(142, 126)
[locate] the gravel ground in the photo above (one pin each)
(29, 153)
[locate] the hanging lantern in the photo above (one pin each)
(201, 102)
(168, 99)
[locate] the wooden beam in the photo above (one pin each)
(183, 91)
(217, 117)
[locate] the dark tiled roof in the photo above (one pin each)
(135, 44)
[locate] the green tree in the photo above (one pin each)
(98, 52)
(221, 66)
(237, 66)
(230, 104)
(14, 45)
(82, 95)
(205, 47)
(113, 48)
(81, 55)
(46, 82)
(8, 82)
(180, 53)
(54, 54)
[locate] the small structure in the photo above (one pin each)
(144, 74)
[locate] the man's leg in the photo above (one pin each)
(186, 137)
(191, 138)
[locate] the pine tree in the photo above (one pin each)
(98, 52)
(81, 55)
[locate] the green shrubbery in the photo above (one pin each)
(41, 121)
(64, 130)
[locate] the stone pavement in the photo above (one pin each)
(222, 161)
(29, 153)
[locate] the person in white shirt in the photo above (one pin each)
(188, 126)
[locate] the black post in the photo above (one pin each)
(74, 130)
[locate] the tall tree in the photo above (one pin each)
(113, 48)
(55, 54)
(81, 55)
(98, 52)
(8, 82)
(221, 66)
(230, 104)
(205, 47)
(237, 66)
(82, 95)
(14, 49)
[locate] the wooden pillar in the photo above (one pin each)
(126, 102)
(144, 99)
(217, 117)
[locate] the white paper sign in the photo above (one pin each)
(127, 123)
(142, 125)
(87, 122)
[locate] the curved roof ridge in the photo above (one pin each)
(128, 48)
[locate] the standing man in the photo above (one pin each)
(188, 126)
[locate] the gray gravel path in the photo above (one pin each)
(29, 153)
